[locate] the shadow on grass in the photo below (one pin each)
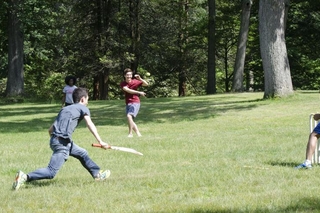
(40, 183)
(302, 205)
(172, 110)
(160, 110)
(283, 164)
(15, 121)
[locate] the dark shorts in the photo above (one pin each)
(132, 109)
(317, 129)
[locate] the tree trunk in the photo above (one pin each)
(134, 8)
(15, 82)
(103, 84)
(182, 82)
(183, 40)
(100, 84)
(273, 49)
(237, 85)
(211, 81)
(226, 68)
(96, 90)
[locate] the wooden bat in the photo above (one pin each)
(118, 148)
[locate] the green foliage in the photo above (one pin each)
(45, 87)
(75, 37)
(3, 40)
(3, 85)
(253, 61)
(303, 22)
(52, 89)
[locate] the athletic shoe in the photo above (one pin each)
(103, 175)
(20, 179)
(130, 136)
(304, 166)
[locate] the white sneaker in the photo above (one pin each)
(20, 179)
(304, 166)
(103, 175)
(130, 135)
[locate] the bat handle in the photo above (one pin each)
(99, 145)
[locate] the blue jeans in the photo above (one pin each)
(62, 149)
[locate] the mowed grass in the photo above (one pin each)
(219, 153)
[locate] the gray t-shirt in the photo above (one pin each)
(68, 119)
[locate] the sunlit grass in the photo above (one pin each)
(218, 153)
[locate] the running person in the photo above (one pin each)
(130, 86)
(62, 144)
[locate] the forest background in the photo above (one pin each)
(166, 41)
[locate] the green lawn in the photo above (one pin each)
(219, 153)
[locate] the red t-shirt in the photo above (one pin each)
(134, 84)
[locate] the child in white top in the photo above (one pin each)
(68, 90)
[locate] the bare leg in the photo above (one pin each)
(132, 125)
(312, 143)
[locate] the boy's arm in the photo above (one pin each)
(144, 83)
(131, 91)
(94, 131)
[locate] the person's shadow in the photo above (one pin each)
(283, 164)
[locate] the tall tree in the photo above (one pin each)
(182, 43)
(134, 15)
(238, 72)
(101, 78)
(211, 80)
(15, 82)
(273, 49)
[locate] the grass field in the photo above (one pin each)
(207, 154)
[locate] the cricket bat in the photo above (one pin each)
(119, 148)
